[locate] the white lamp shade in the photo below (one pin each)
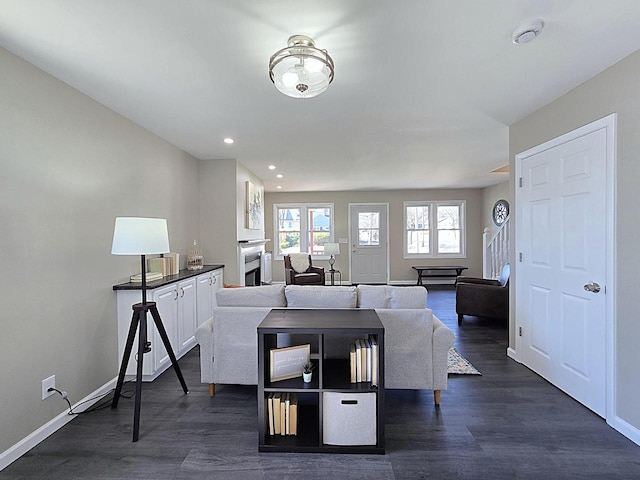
(332, 249)
(140, 236)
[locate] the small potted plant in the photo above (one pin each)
(307, 371)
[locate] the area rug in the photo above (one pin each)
(459, 365)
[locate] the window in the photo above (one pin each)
(434, 229)
(302, 228)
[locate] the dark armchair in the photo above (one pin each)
(482, 297)
(311, 276)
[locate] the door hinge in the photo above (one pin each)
(520, 331)
(520, 256)
(520, 182)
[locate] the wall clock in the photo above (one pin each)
(500, 212)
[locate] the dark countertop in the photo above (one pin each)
(183, 274)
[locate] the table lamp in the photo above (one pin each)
(141, 236)
(332, 249)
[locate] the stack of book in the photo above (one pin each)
(282, 413)
(167, 265)
(364, 360)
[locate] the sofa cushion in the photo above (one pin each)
(386, 296)
(263, 296)
(318, 296)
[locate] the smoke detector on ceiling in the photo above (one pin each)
(527, 32)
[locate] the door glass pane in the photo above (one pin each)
(369, 220)
(369, 228)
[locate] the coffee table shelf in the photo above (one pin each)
(328, 330)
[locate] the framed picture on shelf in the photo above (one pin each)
(288, 362)
(255, 206)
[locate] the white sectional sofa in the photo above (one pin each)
(416, 341)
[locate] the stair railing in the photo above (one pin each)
(495, 251)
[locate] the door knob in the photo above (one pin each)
(592, 287)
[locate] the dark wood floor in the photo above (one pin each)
(506, 424)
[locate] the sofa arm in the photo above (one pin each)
(482, 300)
(235, 344)
(204, 337)
(318, 270)
(443, 340)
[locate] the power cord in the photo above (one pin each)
(103, 401)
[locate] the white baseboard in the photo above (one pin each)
(626, 429)
(511, 353)
(23, 446)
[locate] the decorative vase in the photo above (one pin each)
(307, 377)
(195, 258)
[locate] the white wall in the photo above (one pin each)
(617, 89)
(490, 196)
(68, 167)
(222, 223)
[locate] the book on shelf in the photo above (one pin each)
(293, 411)
(364, 360)
(276, 413)
(352, 361)
(161, 265)
(137, 278)
(283, 414)
(175, 262)
(358, 361)
(363, 352)
(287, 414)
(375, 362)
(369, 365)
(270, 413)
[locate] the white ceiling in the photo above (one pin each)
(423, 95)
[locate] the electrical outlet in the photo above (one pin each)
(48, 383)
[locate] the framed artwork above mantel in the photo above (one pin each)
(255, 206)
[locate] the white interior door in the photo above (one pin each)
(369, 239)
(561, 250)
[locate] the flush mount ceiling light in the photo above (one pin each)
(301, 70)
(527, 32)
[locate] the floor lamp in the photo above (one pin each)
(142, 236)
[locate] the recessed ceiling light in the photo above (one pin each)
(228, 140)
(279, 175)
(272, 167)
(279, 187)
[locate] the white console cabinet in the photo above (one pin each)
(179, 299)
(207, 285)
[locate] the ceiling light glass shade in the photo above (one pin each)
(140, 236)
(301, 70)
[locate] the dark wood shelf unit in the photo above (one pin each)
(330, 375)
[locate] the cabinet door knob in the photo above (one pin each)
(215, 280)
(210, 281)
(176, 292)
(181, 292)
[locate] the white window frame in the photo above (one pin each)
(304, 208)
(433, 232)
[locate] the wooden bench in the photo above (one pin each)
(431, 271)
